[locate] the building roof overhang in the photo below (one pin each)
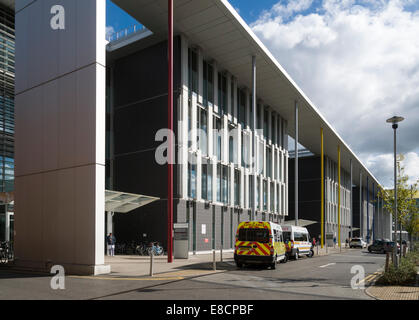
(216, 27)
(123, 202)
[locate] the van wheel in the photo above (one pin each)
(239, 265)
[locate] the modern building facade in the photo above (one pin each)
(7, 85)
(98, 112)
(214, 171)
(309, 202)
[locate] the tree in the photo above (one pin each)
(407, 211)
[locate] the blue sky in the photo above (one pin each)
(248, 9)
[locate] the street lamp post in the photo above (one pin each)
(395, 121)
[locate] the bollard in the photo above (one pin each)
(317, 249)
(151, 262)
(387, 261)
(221, 254)
(214, 263)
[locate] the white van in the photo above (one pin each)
(297, 241)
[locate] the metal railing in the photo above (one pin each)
(125, 32)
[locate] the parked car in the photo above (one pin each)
(357, 243)
(379, 245)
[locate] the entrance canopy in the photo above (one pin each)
(122, 202)
(301, 222)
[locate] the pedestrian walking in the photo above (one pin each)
(314, 242)
(346, 242)
(334, 241)
(111, 240)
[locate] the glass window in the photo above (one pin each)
(208, 84)
(237, 187)
(245, 149)
(206, 184)
(242, 107)
(192, 181)
(254, 235)
(202, 125)
(232, 96)
(273, 130)
(269, 162)
(257, 194)
(265, 124)
(261, 152)
(225, 185)
(222, 93)
(193, 71)
(219, 187)
(231, 149)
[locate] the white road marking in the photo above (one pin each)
(326, 265)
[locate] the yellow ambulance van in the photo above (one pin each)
(259, 242)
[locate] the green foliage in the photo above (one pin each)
(413, 256)
(404, 275)
(407, 211)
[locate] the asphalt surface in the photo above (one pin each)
(325, 277)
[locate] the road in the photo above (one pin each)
(324, 277)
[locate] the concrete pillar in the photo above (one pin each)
(60, 136)
(183, 134)
(7, 225)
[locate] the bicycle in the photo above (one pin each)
(156, 249)
(4, 252)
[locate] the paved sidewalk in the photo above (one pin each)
(394, 292)
(139, 266)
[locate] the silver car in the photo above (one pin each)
(357, 243)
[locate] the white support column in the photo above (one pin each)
(199, 175)
(60, 114)
(214, 180)
(268, 196)
(239, 146)
(225, 145)
(7, 224)
(210, 132)
(232, 189)
(260, 178)
(194, 128)
(243, 188)
(183, 121)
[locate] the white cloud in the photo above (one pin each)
(358, 61)
(109, 31)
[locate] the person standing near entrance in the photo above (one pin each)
(111, 240)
